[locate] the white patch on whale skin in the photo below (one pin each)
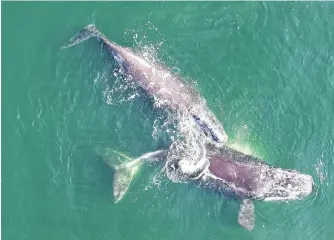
(119, 59)
(153, 71)
(283, 185)
(140, 60)
(189, 168)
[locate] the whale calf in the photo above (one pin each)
(228, 171)
(161, 84)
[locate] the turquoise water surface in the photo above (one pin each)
(264, 68)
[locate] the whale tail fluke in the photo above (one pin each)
(86, 33)
(125, 168)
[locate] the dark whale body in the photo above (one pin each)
(169, 90)
(243, 177)
(226, 171)
(224, 168)
(246, 176)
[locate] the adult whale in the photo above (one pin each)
(226, 170)
(156, 80)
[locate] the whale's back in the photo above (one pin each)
(242, 176)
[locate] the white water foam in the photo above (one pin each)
(321, 171)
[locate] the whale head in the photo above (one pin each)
(284, 185)
(211, 128)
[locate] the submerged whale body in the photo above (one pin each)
(159, 83)
(226, 170)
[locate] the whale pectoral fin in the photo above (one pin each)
(246, 217)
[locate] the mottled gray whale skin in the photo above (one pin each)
(248, 178)
(157, 81)
(225, 170)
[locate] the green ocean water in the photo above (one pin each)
(265, 70)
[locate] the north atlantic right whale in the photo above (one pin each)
(223, 169)
(168, 89)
